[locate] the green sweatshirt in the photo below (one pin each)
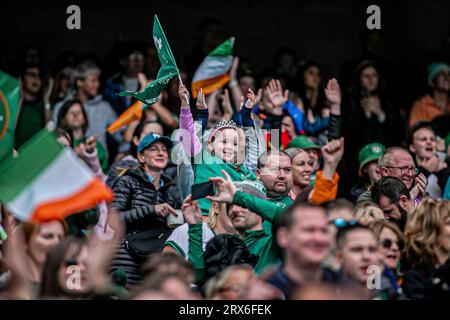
(270, 209)
(258, 242)
(210, 166)
(195, 254)
(262, 245)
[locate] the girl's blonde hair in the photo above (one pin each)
(424, 229)
(211, 220)
(217, 283)
(241, 143)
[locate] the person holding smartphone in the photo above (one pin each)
(422, 144)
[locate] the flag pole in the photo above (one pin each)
(181, 82)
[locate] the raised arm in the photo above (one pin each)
(333, 94)
(203, 107)
(227, 193)
(247, 108)
(193, 216)
(252, 150)
(190, 141)
(226, 105)
(326, 185)
(236, 92)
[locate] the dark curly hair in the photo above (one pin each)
(225, 250)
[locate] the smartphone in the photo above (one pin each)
(201, 190)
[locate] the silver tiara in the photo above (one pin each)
(225, 123)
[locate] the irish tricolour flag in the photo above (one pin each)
(47, 181)
(212, 74)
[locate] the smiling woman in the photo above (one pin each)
(145, 196)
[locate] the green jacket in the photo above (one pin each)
(259, 243)
(208, 166)
(270, 210)
(263, 245)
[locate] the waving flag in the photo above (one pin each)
(9, 103)
(212, 73)
(48, 181)
(150, 94)
(133, 113)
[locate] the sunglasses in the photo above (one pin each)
(70, 262)
(387, 244)
(342, 223)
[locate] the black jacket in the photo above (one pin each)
(427, 282)
(136, 197)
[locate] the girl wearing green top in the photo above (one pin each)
(225, 149)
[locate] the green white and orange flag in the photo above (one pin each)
(9, 104)
(47, 181)
(212, 74)
(133, 113)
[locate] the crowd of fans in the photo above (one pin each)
(323, 189)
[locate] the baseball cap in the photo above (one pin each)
(434, 68)
(152, 138)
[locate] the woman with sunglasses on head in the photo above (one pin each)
(391, 247)
(427, 251)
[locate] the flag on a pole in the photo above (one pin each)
(9, 104)
(150, 94)
(212, 74)
(48, 181)
(134, 112)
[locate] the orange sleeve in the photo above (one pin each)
(324, 189)
(417, 113)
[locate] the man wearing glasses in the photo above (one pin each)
(397, 162)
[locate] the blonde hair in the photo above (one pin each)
(217, 283)
(365, 212)
(424, 229)
(211, 220)
(378, 226)
(241, 143)
(293, 152)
